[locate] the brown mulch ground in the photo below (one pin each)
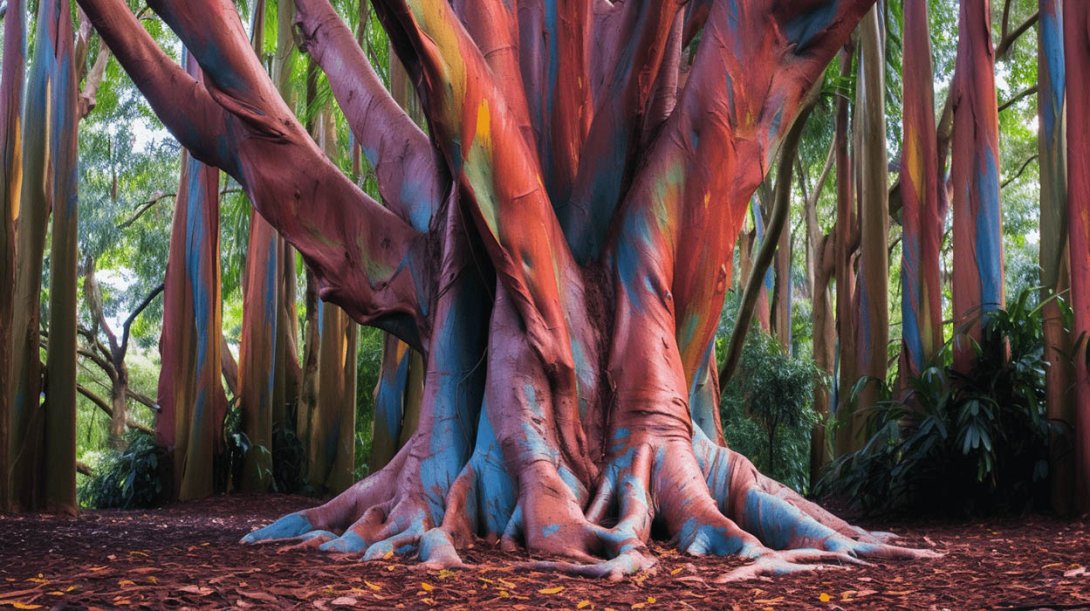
(188, 556)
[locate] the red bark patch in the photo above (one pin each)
(188, 555)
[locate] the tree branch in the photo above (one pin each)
(105, 407)
(1006, 43)
(367, 260)
(1018, 97)
(409, 180)
(1021, 169)
(136, 312)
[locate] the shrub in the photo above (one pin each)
(125, 479)
(962, 443)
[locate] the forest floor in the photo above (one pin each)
(188, 555)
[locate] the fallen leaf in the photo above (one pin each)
(121, 583)
(374, 586)
(445, 574)
(583, 604)
(19, 605)
(1075, 572)
(677, 570)
(344, 601)
(198, 590)
(388, 555)
(262, 596)
(427, 587)
(556, 590)
(824, 597)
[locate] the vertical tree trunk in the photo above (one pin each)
(978, 244)
(11, 172)
(922, 223)
(758, 207)
(1054, 259)
(59, 465)
(845, 272)
(1077, 60)
(782, 300)
(191, 399)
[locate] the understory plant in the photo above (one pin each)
(127, 479)
(966, 443)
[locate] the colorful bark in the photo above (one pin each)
(49, 162)
(1054, 258)
(978, 244)
(11, 173)
(1076, 29)
(332, 444)
(192, 403)
(846, 242)
(523, 442)
(921, 186)
(58, 468)
(872, 281)
(768, 277)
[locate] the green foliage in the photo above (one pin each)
(128, 479)
(368, 368)
(965, 443)
(767, 410)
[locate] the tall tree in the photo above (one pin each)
(1076, 27)
(522, 441)
(1054, 257)
(921, 186)
(49, 182)
(192, 403)
(978, 244)
(11, 172)
(846, 240)
(872, 283)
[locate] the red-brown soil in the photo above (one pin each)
(188, 556)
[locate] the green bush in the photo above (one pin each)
(767, 409)
(961, 443)
(125, 479)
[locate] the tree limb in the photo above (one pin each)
(1021, 169)
(105, 407)
(1006, 43)
(1018, 97)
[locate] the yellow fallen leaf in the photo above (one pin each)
(152, 579)
(824, 597)
(427, 587)
(19, 605)
(638, 606)
(374, 586)
(446, 574)
(388, 555)
(677, 570)
(583, 604)
(650, 600)
(556, 590)
(121, 583)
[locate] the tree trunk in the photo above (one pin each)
(11, 171)
(978, 240)
(192, 403)
(556, 409)
(845, 241)
(921, 220)
(1054, 257)
(872, 283)
(1076, 28)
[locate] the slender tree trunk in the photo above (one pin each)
(1054, 257)
(1077, 60)
(11, 172)
(978, 243)
(845, 272)
(921, 186)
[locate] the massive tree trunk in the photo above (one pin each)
(191, 399)
(572, 433)
(1054, 256)
(11, 173)
(1077, 58)
(978, 240)
(921, 186)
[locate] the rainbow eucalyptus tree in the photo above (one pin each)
(1076, 27)
(42, 451)
(872, 282)
(192, 403)
(11, 169)
(1054, 256)
(978, 244)
(846, 243)
(921, 221)
(558, 247)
